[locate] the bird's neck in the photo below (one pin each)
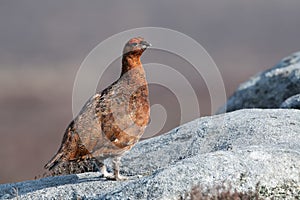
(131, 64)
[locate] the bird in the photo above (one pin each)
(112, 121)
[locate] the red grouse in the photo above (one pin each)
(111, 122)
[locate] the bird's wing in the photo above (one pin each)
(101, 122)
(81, 136)
(88, 124)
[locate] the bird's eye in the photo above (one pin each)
(134, 44)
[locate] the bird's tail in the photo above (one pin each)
(54, 161)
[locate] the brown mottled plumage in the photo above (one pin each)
(112, 122)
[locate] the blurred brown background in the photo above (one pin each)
(42, 44)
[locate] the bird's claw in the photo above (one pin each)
(108, 175)
(121, 178)
(112, 177)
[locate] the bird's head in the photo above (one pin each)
(136, 46)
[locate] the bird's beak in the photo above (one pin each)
(145, 44)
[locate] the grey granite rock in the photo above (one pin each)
(240, 149)
(268, 89)
(292, 102)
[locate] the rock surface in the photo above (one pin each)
(268, 89)
(292, 102)
(240, 149)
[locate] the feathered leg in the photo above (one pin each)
(116, 164)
